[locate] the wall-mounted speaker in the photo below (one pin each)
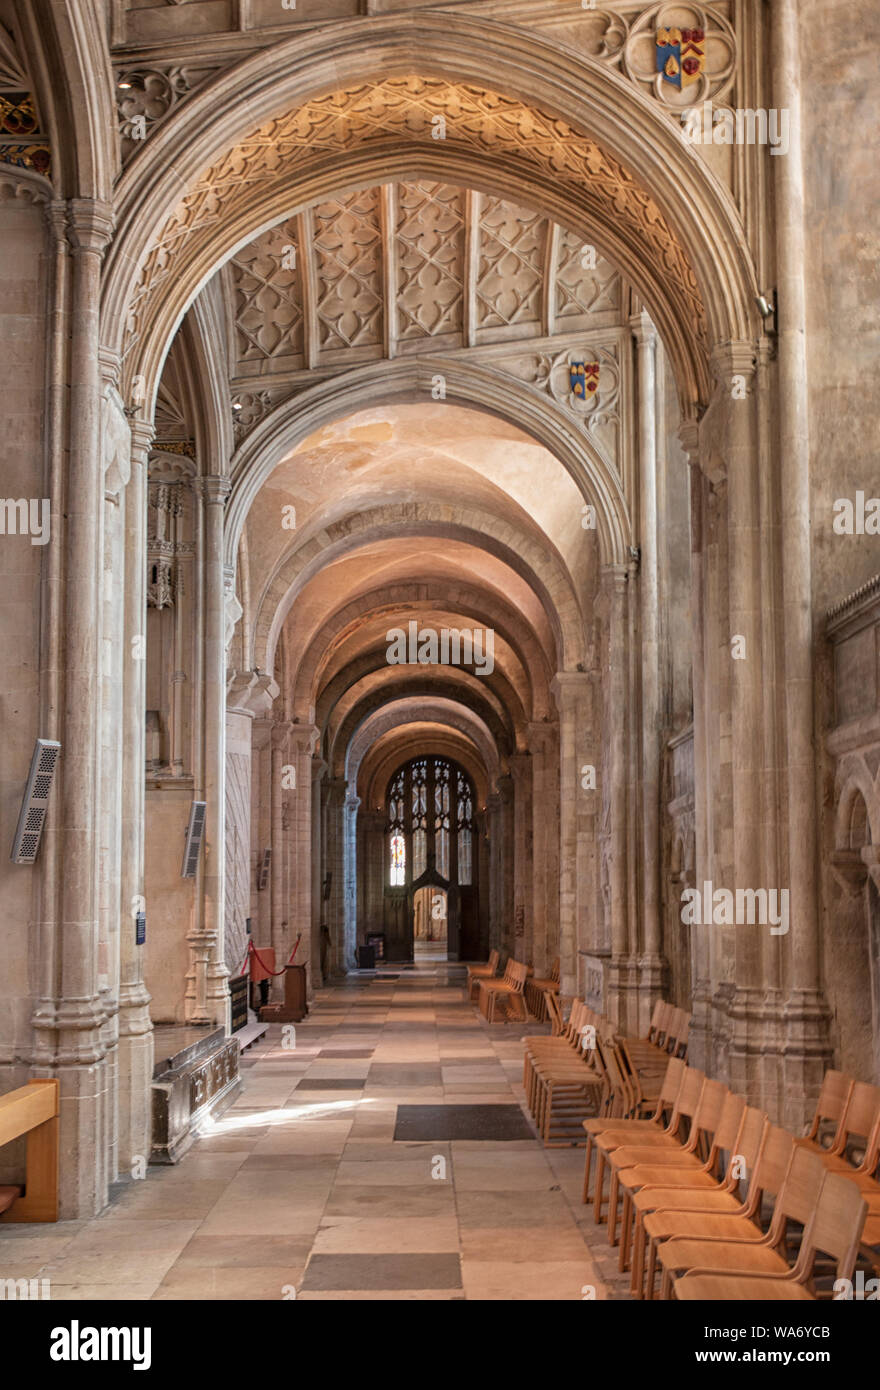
(194, 832)
(35, 802)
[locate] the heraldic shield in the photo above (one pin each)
(681, 55)
(583, 378)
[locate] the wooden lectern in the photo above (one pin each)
(295, 1006)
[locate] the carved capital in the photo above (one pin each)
(643, 331)
(735, 359)
(305, 738)
(214, 488)
(850, 870)
(90, 224)
(569, 688)
(689, 439)
(280, 734)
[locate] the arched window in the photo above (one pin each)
(464, 826)
(440, 839)
(397, 841)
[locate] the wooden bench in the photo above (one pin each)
(32, 1110)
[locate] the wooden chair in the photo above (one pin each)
(657, 1015)
(796, 1202)
(830, 1109)
(562, 1042)
(736, 1146)
(537, 989)
(567, 1091)
(630, 1126)
(853, 1141)
(834, 1229)
(713, 1132)
(475, 973)
(509, 992)
(671, 1139)
(32, 1110)
(719, 1216)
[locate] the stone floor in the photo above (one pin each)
(379, 1150)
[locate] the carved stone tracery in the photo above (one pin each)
(402, 109)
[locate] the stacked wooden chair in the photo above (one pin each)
(485, 971)
(538, 987)
(504, 996)
(715, 1196)
(564, 1080)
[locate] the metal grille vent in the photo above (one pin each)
(194, 832)
(35, 801)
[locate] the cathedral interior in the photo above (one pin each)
(440, 688)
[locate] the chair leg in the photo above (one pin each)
(651, 1272)
(587, 1163)
(638, 1258)
(600, 1183)
(612, 1207)
(625, 1229)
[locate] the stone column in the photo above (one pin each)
(280, 916)
(79, 1058)
(520, 765)
(505, 832)
(303, 740)
(496, 905)
(320, 939)
(614, 584)
(572, 691)
(734, 365)
(651, 964)
(807, 1047)
(116, 450)
(699, 1046)
(544, 751)
(352, 803)
(334, 864)
(210, 1002)
(135, 1027)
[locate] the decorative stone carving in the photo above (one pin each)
(579, 289)
(146, 95)
(639, 60)
(267, 287)
(234, 609)
(430, 256)
(348, 235)
(510, 278)
(348, 242)
(599, 415)
(165, 508)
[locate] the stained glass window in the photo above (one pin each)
(398, 860)
(419, 801)
(441, 817)
(431, 800)
(464, 826)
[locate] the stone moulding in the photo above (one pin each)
(682, 235)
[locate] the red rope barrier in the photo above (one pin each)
(252, 948)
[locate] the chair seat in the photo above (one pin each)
(685, 1198)
(699, 1288)
(740, 1257)
(661, 1225)
(650, 1175)
(637, 1155)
